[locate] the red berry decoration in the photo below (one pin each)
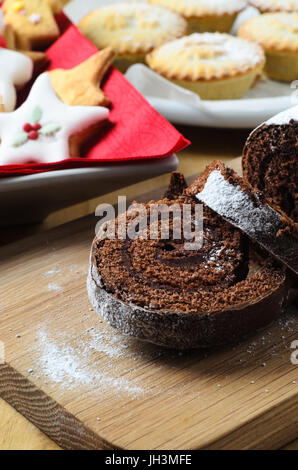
(33, 135)
(36, 126)
(27, 127)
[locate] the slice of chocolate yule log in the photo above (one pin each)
(233, 198)
(157, 289)
(270, 162)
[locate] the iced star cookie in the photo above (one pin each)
(15, 70)
(268, 6)
(277, 33)
(206, 15)
(32, 21)
(131, 29)
(216, 66)
(44, 129)
(80, 86)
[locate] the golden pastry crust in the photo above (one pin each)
(206, 57)
(131, 28)
(32, 21)
(267, 6)
(275, 32)
(202, 8)
(80, 86)
(37, 57)
(57, 5)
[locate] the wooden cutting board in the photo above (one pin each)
(87, 386)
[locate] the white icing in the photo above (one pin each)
(15, 70)
(35, 18)
(276, 5)
(68, 120)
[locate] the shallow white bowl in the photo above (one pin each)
(25, 199)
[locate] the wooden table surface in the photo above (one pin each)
(207, 144)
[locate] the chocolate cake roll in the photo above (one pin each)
(270, 162)
(156, 289)
(233, 198)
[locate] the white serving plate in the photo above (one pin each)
(25, 199)
(261, 103)
(222, 114)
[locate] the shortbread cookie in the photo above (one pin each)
(269, 6)
(277, 33)
(33, 22)
(131, 29)
(37, 57)
(44, 129)
(206, 15)
(15, 70)
(214, 65)
(57, 5)
(80, 86)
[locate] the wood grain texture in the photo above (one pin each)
(65, 368)
(16, 432)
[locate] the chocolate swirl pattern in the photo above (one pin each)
(270, 165)
(160, 292)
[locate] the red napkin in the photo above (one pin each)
(135, 131)
(2, 41)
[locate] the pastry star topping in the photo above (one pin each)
(31, 34)
(15, 70)
(44, 129)
(80, 85)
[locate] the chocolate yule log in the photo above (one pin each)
(270, 162)
(233, 198)
(161, 292)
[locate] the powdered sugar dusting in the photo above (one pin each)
(204, 7)
(276, 5)
(221, 51)
(285, 117)
(230, 202)
(53, 287)
(73, 364)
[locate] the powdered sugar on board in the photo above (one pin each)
(103, 360)
(76, 352)
(93, 360)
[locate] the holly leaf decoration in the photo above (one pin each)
(50, 129)
(20, 139)
(36, 115)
